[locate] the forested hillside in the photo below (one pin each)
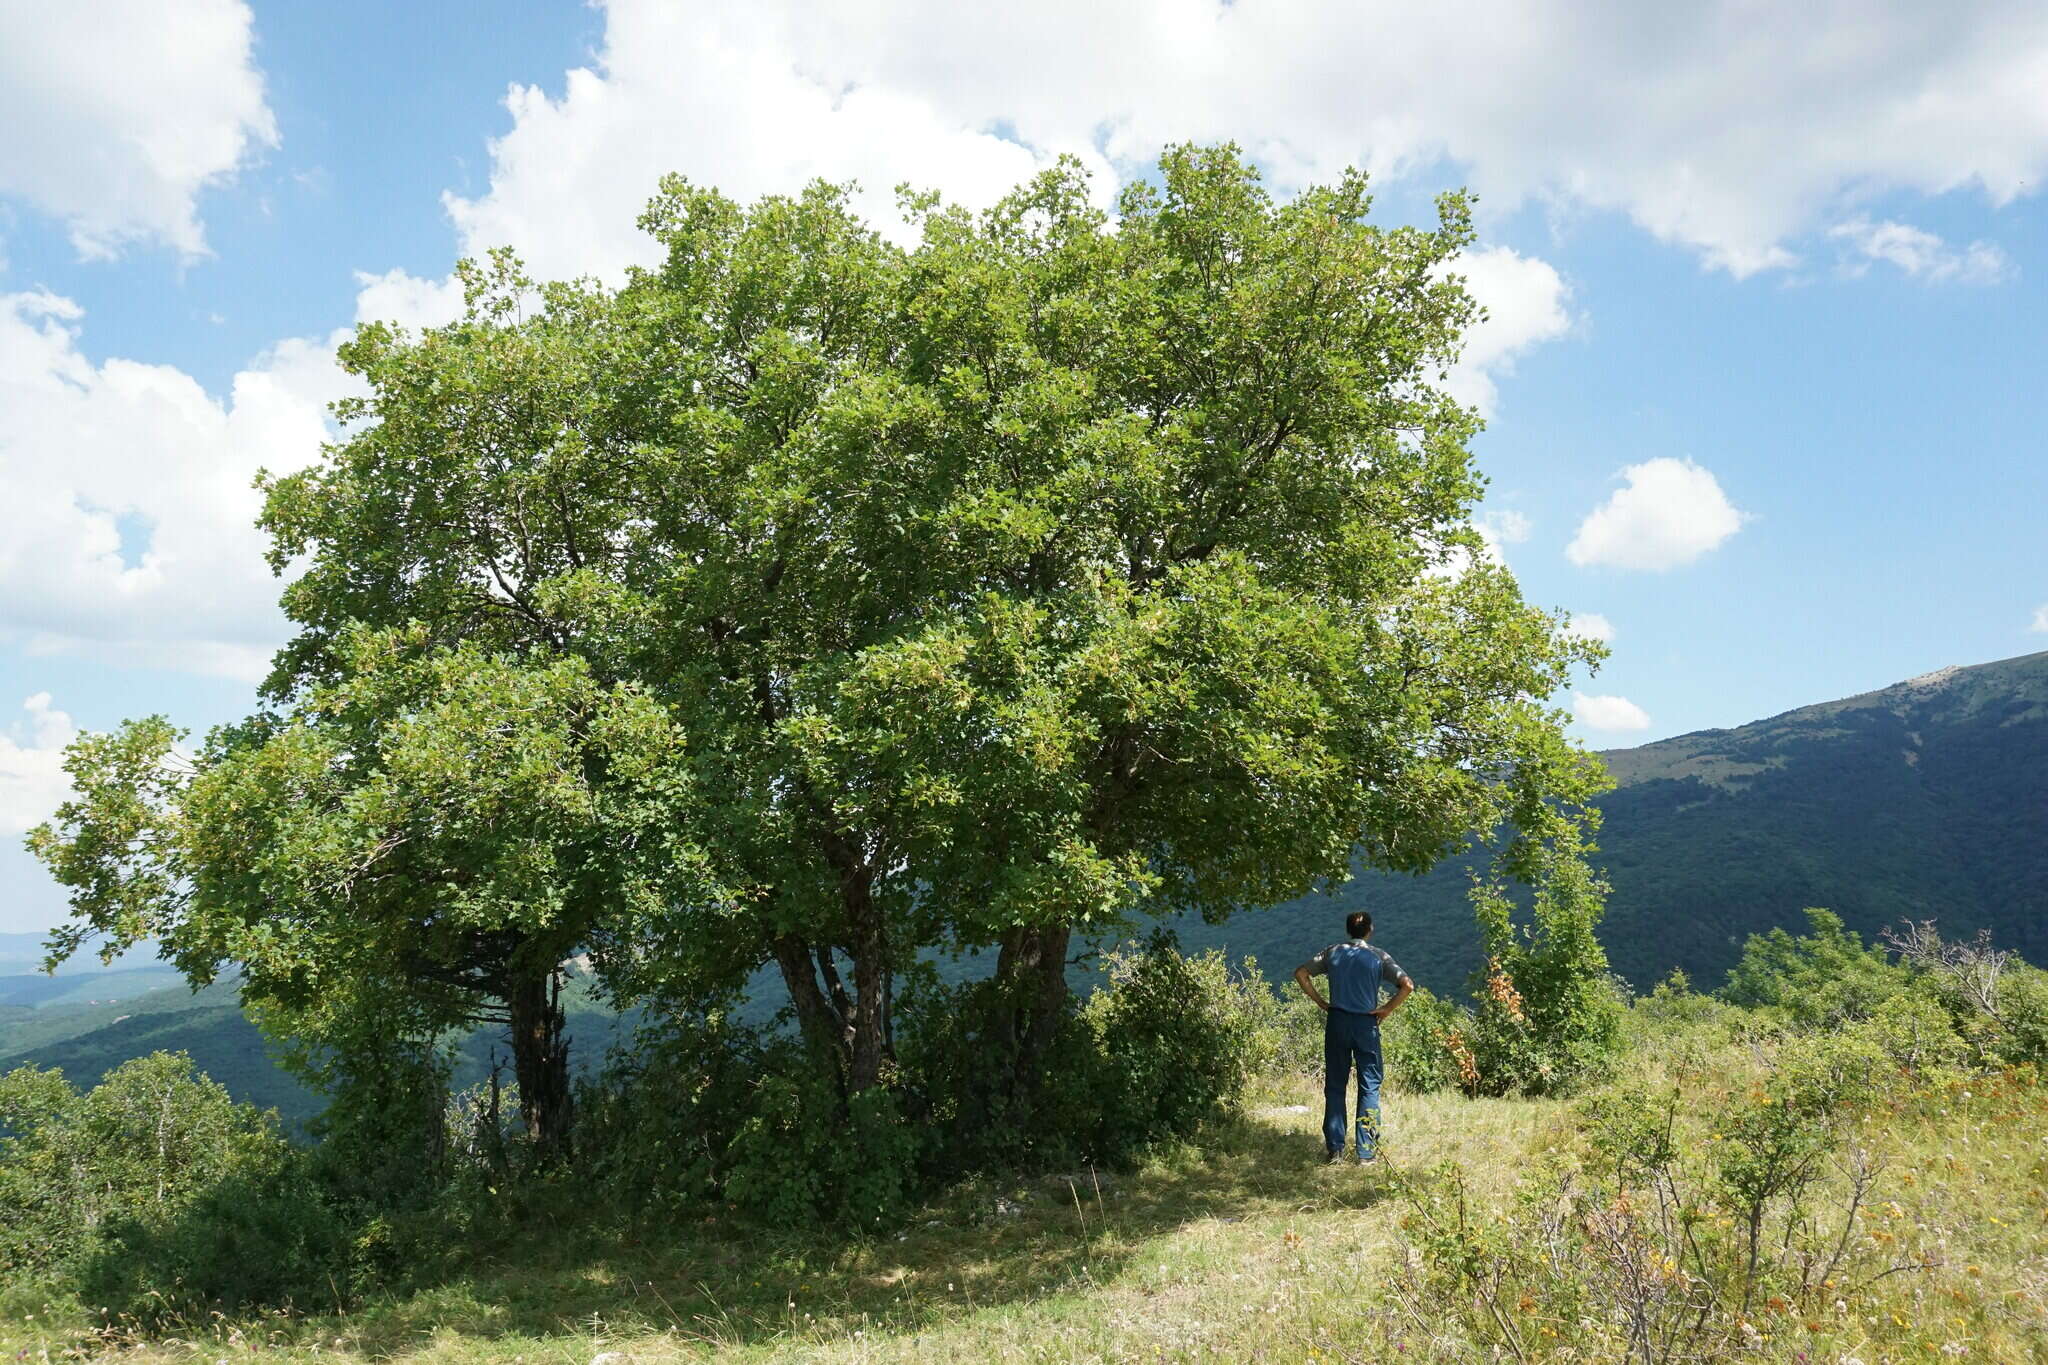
(1926, 799)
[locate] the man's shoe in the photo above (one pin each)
(1368, 1159)
(1331, 1158)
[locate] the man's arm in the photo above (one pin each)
(1308, 987)
(1402, 990)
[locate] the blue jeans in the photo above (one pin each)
(1351, 1040)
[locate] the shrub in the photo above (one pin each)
(2022, 1035)
(135, 1152)
(2000, 1003)
(1548, 1012)
(1815, 981)
(1164, 1043)
(1696, 1222)
(1419, 1040)
(654, 1123)
(791, 1164)
(1172, 1042)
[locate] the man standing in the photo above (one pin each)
(1351, 1029)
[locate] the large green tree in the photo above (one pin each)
(1061, 568)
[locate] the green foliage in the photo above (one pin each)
(1418, 1039)
(81, 1174)
(1691, 1218)
(1816, 980)
(792, 1163)
(816, 600)
(1173, 1041)
(2021, 1036)
(1547, 1015)
(1166, 1043)
(656, 1120)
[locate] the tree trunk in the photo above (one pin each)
(540, 1061)
(868, 1028)
(1031, 966)
(824, 1027)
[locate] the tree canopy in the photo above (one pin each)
(815, 600)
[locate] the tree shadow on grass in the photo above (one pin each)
(986, 1243)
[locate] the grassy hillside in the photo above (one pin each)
(1243, 1246)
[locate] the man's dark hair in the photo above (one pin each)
(1357, 924)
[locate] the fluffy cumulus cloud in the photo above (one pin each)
(32, 779)
(1667, 513)
(1729, 130)
(1590, 625)
(407, 300)
(119, 113)
(127, 529)
(1525, 303)
(1608, 713)
(736, 97)
(1919, 254)
(2040, 621)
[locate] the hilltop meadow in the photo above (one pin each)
(1837, 1157)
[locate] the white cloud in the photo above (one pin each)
(2040, 621)
(120, 112)
(1499, 529)
(1670, 513)
(407, 300)
(1524, 298)
(1590, 625)
(1713, 125)
(731, 97)
(127, 529)
(1609, 713)
(32, 777)
(1921, 254)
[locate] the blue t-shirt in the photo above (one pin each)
(1356, 970)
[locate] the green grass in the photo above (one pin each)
(1243, 1246)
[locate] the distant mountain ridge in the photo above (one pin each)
(1926, 799)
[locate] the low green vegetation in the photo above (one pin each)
(1733, 1181)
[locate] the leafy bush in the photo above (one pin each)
(2022, 1035)
(260, 1237)
(1420, 1042)
(656, 1120)
(1999, 1003)
(1700, 1219)
(1548, 1013)
(134, 1153)
(1817, 980)
(792, 1163)
(1174, 1039)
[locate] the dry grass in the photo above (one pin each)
(1243, 1248)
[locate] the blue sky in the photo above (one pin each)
(1763, 376)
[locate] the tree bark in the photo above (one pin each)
(1031, 966)
(540, 1061)
(824, 1027)
(868, 1028)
